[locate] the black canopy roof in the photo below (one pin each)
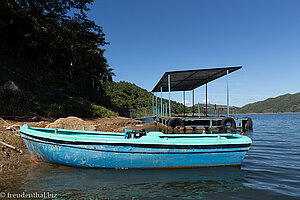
(191, 79)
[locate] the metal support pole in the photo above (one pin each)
(184, 103)
(227, 94)
(130, 114)
(156, 105)
(198, 109)
(161, 112)
(169, 87)
(166, 110)
(206, 99)
(193, 101)
(153, 109)
(145, 112)
(215, 110)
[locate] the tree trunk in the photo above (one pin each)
(71, 69)
(49, 60)
(105, 86)
(20, 48)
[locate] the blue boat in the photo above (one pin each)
(95, 149)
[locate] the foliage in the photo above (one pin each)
(57, 34)
(101, 111)
(55, 54)
(284, 103)
(52, 96)
(127, 96)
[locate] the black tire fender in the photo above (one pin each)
(175, 122)
(228, 120)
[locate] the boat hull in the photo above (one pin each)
(101, 155)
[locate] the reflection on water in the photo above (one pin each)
(73, 183)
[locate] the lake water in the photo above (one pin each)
(271, 170)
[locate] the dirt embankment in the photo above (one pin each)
(11, 159)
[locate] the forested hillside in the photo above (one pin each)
(126, 96)
(284, 103)
(52, 64)
(54, 54)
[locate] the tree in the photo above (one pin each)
(47, 31)
(107, 76)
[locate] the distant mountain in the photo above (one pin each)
(283, 103)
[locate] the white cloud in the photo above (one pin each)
(204, 101)
(187, 102)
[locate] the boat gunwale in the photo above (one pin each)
(143, 145)
(152, 138)
(162, 135)
(71, 131)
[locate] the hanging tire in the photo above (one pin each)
(175, 122)
(227, 120)
(249, 124)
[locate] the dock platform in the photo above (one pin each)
(188, 80)
(189, 124)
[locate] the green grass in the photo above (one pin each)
(101, 111)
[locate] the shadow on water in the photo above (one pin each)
(75, 183)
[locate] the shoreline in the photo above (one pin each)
(11, 158)
(267, 113)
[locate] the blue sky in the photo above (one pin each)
(148, 38)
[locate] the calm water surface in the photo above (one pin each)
(271, 170)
